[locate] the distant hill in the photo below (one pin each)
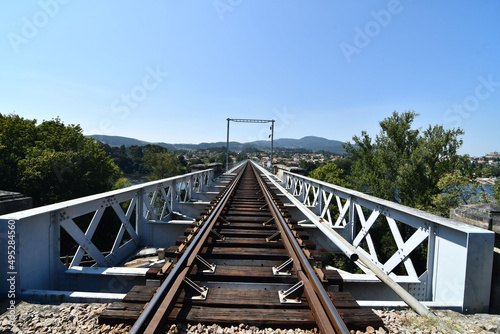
(119, 141)
(309, 143)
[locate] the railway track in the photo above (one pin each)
(244, 260)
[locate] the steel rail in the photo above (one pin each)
(351, 252)
(306, 272)
(155, 314)
(181, 266)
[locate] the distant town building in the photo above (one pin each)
(492, 155)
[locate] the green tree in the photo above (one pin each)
(404, 164)
(490, 171)
(408, 166)
(121, 183)
(221, 158)
(330, 173)
(52, 162)
(241, 156)
(136, 154)
(161, 163)
(496, 193)
(123, 160)
(456, 190)
(308, 165)
(345, 164)
(17, 135)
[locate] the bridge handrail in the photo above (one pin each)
(147, 187)
(402, 209)
(139, 210)
(459, 256)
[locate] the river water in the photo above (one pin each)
(488, 188)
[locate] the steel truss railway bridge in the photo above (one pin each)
(152, 215)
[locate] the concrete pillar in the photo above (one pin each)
(486, 216)
(12, 202)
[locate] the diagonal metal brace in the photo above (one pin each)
(268, 222)
(202, 290)
(211, 266)
(292, 295)
(218, 235)
(263, 207)
(224, 222)
(273, 237)
(281, 269)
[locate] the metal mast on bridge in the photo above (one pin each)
(249, 121)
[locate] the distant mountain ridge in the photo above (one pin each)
(312, 143)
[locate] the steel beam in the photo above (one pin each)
(246, 120)
(452, 277)
(37, 236)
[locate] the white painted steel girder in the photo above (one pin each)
(459, 256)
(154, 205)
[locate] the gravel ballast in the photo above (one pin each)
(83, 318)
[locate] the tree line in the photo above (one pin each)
(157, 162)
(153, 161)
(52, 162)
(414, 167)
(44, 160)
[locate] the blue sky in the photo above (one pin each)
(173, 71)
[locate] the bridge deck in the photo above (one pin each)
(242, 287)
